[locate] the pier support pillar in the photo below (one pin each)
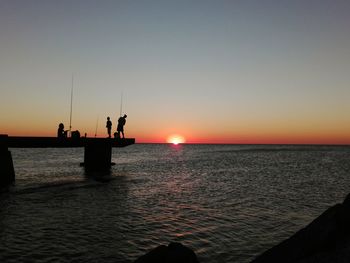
(98, 155)
(7, 172)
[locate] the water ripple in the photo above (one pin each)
(229, 203)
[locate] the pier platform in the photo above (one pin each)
(97, 151)
(54, 142)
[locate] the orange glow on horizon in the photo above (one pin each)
(175, 139)
(243, 136)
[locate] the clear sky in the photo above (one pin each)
(211, 71)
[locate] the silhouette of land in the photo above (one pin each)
(173, 253)
(326, 239)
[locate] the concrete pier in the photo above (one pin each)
(98, 155)
(97, 151)
(7, 171)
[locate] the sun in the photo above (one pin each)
(175, 139)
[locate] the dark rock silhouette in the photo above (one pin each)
(173, 253)
(326, 239)
(7, 172)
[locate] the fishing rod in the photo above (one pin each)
(121, 104)
(96, 126)
(71, 107)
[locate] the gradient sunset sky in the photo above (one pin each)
(211, 71)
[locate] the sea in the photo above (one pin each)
(228, 203)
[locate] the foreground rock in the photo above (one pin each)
(326, 239)
(173, 253)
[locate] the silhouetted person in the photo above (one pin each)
(121, 123)
(60, 132)
(109, 127)
(75, 134)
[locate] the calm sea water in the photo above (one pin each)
(227, 202)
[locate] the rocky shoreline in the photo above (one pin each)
(173, 253)
(325, 239)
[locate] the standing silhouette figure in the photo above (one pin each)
(121, 123)
(60, 131)
(109, 127)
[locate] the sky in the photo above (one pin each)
(220, 71)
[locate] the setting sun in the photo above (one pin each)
(175, 139)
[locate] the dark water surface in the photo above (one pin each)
(227, 202)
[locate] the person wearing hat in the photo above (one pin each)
(121, 123)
